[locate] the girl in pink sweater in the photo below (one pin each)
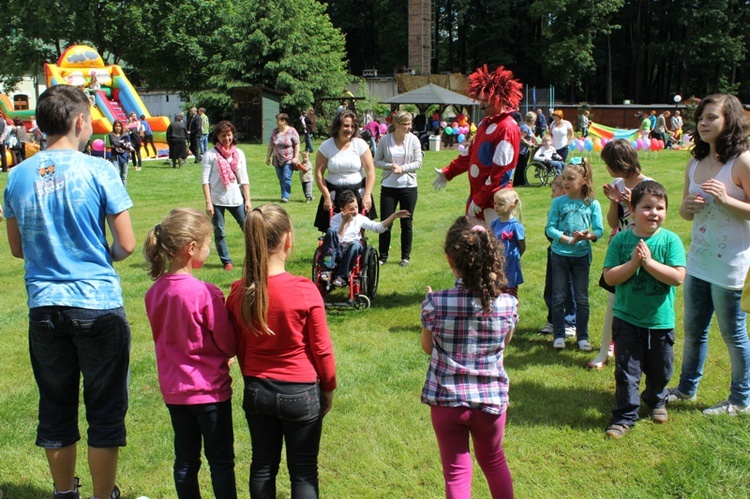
(194, 339)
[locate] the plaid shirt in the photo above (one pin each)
(466, 367)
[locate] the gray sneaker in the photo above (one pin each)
(675, 395)
(72, 494)
(727, 407)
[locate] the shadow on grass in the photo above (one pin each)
(537, 404)
(24, 491)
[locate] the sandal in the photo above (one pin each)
(617, 431)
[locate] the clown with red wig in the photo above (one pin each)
(491, 156)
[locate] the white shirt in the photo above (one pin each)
(344, 166)
(351, 233)
(230, 195)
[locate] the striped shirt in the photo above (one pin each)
(466, 367)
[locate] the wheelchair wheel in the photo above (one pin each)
(361, 302)
(316, 269)
(536, 174)
(370, 272)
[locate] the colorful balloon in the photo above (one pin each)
(448, 130)
(455, 130)
(473, 128)
(461, 138)
(588, 144)
(654, 145)
(97, 145)
(639, 144)
(383, 128)
(646, 145)
(598, 144)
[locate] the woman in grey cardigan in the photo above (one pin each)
(399, 155)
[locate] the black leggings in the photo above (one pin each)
(406, 199)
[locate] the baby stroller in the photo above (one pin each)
(363, 278)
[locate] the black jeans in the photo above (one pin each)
(640, 351)
(213, 424)
(279, 412)
(406, 199)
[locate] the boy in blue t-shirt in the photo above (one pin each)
(56, 204)
(644, 265)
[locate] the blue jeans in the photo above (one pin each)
(284, 174)
(121, 163)
(575, 269)
(570, 304)
(238, 212)
(563, 152)
(640, 351)
(308, 142)
(279, 413)
(211, 423)
(702, 299)
(65, 343)
(341, 258)
(204, 143)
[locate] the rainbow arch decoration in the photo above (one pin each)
(114, 100)
(609, 133)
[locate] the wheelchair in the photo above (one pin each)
(539, 173)
(363, 277)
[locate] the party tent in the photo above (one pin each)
(432, 94)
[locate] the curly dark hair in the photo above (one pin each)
(478, 257)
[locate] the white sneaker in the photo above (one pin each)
(570, 331)
(675, 395)
(727, 407)
(547, 329)
(559, 343)
(584, 346)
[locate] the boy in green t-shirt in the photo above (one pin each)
(644, 265)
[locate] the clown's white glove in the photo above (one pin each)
(440, 181)
(474, 209)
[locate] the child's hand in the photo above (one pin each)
(429, 290)
(347, 217)
(580, 235)
(402, 214)
(644, 252)
(611, 193)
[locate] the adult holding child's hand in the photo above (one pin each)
(344, 162)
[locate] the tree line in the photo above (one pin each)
(592, 51)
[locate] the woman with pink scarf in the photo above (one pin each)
(225, 185)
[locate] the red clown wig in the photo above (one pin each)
(498, 87)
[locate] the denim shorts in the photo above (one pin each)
(65, 343)
(292, 402)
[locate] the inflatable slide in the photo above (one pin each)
(115, 98)
(26, 116)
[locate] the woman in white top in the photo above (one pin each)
(399, 155)
(716, 198)
(225, 186)
(562, 134)
(344, 162)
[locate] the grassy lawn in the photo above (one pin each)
(378, 441)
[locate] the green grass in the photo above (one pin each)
(378, 441)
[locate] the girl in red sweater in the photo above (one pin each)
(285, 354)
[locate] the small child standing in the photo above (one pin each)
(341, 244)
(306, 175)
(194, 339)
(556, 187)
(644, 265)
(465, 330)
(509, 231)
(573, 222)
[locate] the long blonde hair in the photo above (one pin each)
(265, 228)
(166, 239)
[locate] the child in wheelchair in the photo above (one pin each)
(342, 241)
(548, 155)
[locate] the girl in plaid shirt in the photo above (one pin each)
(465, 330)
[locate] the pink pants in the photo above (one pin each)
(453, 425)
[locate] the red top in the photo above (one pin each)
(300, 350)
(490, 159)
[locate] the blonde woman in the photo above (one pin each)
(399, 155)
